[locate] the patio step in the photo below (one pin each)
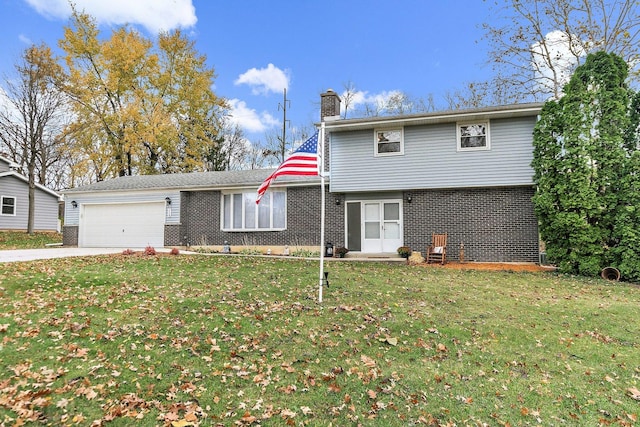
(384, 256)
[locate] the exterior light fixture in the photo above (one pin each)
(74, 204)
(168, 200)
(409, 198)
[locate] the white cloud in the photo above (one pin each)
(265, 80)
(24, 39)
(557, 48)
(380, 101)
(154, 15)
(249, 119)
(7, 106)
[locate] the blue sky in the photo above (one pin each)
(258, 47)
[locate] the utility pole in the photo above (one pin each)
(283, 142)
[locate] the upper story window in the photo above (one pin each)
(389, 142)
(8, 205)
(473, 136)
(241, 213)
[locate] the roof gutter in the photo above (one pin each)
(517, 110)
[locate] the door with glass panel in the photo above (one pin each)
(381, 226)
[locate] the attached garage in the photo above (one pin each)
(122, 225)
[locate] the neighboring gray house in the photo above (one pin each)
(392, 181)
(14, 201)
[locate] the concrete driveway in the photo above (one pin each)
(48, 253)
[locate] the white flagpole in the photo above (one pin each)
(322, 197)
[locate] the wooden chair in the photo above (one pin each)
(437, 251)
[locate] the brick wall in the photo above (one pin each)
(172, 235)
(201, 221)
(495, 224)
(70, 235)
(329, 107)
(329, 104)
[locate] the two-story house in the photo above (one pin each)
(391, 181)
(464, 173)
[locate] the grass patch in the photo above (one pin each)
(211, 340)
(23, 240)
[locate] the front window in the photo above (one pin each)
(8, 205)
(241, 213)
(388, 142)
(473, 136)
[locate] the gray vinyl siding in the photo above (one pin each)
(46, 207)
(71, 214)
(431, 159)
(4, 166)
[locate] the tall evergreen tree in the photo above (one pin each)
(582, 162)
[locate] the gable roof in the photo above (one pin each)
(451, 116)
(11, 163)
(25, 179)
(191, 181)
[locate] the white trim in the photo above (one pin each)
(25, 179)
(487, 136)
(376, 142)
(251, 192)
(510, 111)
(380, 202)
(11, 164)
(15, 205)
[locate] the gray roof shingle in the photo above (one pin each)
(190, 181)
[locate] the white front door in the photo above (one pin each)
(381, 226)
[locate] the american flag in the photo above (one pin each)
(303, 161)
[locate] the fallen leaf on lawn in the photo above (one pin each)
(633, 393)
(171, 416)
(372, 394)
(90, 394)
(368, 362)
(248, 418)
(287, 413)
(334, 387)
(305, 410)
(181, 423)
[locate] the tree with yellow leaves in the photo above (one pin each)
(138, 108)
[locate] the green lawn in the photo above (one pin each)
(214, 340)
(22, 240)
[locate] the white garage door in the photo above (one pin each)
(126, 225)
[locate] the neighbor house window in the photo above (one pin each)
(8, 205)
(389, 142)
(241, 213)
(473, 136)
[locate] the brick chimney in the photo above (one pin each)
(329, 105)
